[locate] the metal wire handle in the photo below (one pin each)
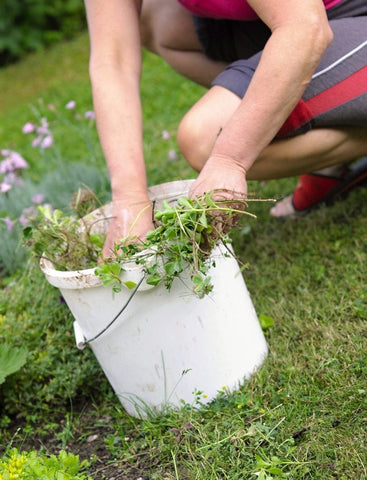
(119, 313)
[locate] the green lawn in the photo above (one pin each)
(303, 415)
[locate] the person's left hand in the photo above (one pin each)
(223, 176)
(227, 180)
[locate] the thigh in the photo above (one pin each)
(340, 80)
(337, 93)
(165, 23)
(348, 8)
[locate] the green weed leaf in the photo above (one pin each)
(266, 322)
(129, 284)
(185, 202)
(154, 280)
(12, 359)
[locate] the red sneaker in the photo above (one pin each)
(314, 189)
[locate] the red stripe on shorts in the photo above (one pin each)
(344, 91)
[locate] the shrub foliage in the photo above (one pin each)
(27, 25)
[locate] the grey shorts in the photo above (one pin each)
(337, 93)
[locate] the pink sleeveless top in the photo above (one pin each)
(229, 9)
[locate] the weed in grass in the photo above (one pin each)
(66, 434)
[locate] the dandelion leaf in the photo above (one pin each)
(11, 360)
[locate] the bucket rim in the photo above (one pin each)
(87, 278)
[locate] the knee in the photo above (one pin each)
(193, 140)
(200, 127)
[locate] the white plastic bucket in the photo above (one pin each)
(165, 347)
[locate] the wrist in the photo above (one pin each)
(226, 162)
(123, 193)
(128, 181)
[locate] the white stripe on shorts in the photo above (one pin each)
(340, 60)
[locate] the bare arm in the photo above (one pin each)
(300, 36)
(115, 69)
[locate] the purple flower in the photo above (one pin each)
(9, 224)
(13, 178)
(28, 127)
(26, 215)
(18, 161)
(47, 142)
(90, 115)
(43, 130)
(70, 105)
(6, 166)
(23, 220)
(172, 155)
(38, 198)
(5, 187)
(13, 162)
(165, 134)
(37, 141)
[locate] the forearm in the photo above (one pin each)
(119, 122)
(287, 64)
(115, 69)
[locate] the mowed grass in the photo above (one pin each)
(303, 415)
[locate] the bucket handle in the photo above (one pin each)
(81, 343)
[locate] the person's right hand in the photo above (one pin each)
(131, 219)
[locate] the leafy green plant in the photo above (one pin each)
(184, 237)
(32, 315)
(33, 466)
(65, 239)
(12, 359)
